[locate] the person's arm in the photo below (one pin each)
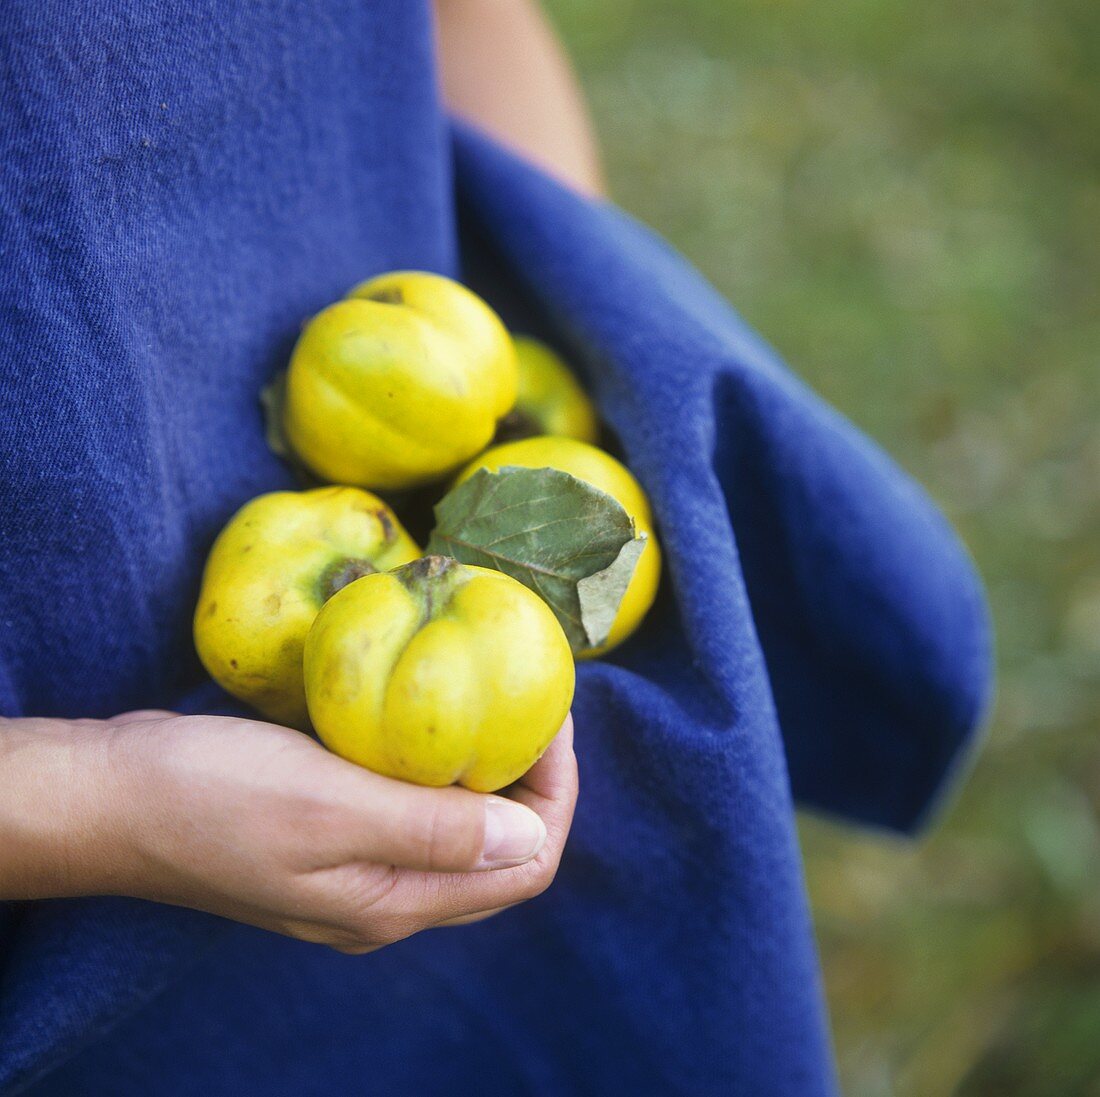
(503, 68)
(261, 824)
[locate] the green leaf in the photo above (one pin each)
(572, 544)
(600, 594)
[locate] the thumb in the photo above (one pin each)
(439, 829)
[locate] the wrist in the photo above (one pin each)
(60, 831)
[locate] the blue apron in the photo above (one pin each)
(183, 184)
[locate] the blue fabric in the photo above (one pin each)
(182, 186)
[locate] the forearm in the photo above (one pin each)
(58, 833)
(503, 68)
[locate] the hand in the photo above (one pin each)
(261, 824)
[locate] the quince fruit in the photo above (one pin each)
(399, 384)
(271, 569)
(438, 673)
(550, 399)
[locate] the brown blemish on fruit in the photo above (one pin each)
(233, 663)
(211, 609)
(386, 522)
(422, 579)
(343, 572)
(426, 567)
(273, 603)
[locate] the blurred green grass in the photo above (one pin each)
(905, 199)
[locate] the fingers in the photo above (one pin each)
(432, 830)
(366, 915)
(477, 916)
(550, 790)
(450, 829)
(554, 775)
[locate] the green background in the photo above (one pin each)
(904, 198)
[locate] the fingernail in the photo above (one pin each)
(513, 834)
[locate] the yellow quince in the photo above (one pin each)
(271, 569)
(398, 384)
(438, 673)
(550, 399)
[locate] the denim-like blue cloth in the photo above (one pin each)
(182, 185)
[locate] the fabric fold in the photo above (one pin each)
(867, 608)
